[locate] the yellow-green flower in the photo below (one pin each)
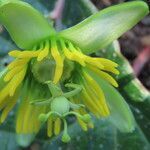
(40, 73)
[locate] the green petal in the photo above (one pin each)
(120, 113)
(24, 23)
(100, 29)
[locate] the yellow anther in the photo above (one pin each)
(4, 92)
(78, 57)
(98, 90)
(14, 53)
(94, 62)
(8, 108)
(50, 127)
(105, 76)
(4, 102)
(109, 65)
(82, 124)
(16, 81)
(90, 104)
(95, 98)
(12, 73)
(24, 54)
(107, 62)
(57, 126)
(17, 62)
(59, 62)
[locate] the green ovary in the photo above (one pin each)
(60, 105)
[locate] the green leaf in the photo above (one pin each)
(120, 113)
(104, 136)
(100, 29)
(24, 23)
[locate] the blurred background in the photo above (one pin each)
(135, 49)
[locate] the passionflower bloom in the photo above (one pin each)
(54, 76)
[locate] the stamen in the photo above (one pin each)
(24, 54)
(91, 82)
(44, 52)
(90, 104)
(50, 127)
(8, 108)
(59, 61)
(4, 92)
(109, 65)
(11, 73)
(95, 98)
(57, 126)
(17, 79)
(107, 62)
(17, 62)
(105, 76)
(82, 124)
(72, 55)
(94, 62)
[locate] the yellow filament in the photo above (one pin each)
(78, 57)
(107, 62)
(17, 62)
(16, 81)
(57, 126)
(90, 104)
(94, 62)
(95, 99)
(105, 76)
(44, 52)
(109, 65)
(8, 108)
(73, 55)
(4, 102)
(49, 127)
(59, 62)
(11, 73)
(4, 92)
(98, 90)
(24, 54)
(82, 124)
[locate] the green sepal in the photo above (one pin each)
(120, 113)
(24, 23)
(100, 29)
(24, 140)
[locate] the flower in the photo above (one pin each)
(49, 60)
